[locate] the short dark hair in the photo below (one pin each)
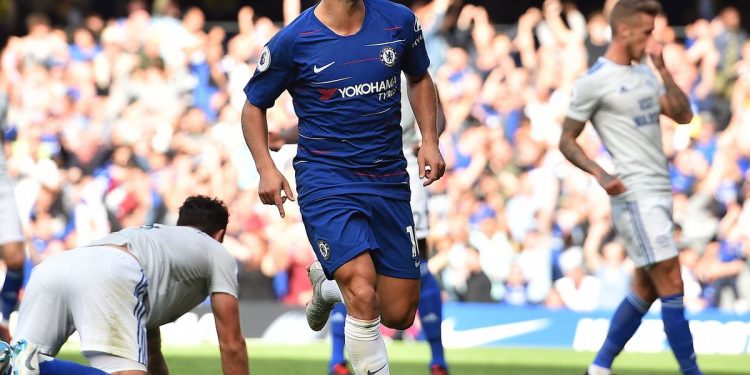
(625, 9)
(205, 213)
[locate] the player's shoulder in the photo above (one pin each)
(597, 69)
(595, 74)
(289, 33)
(390, 10)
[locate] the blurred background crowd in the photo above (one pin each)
(112, 122)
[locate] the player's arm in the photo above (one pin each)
(440, 123)
(574, 153)
(674, 103)
(231, 341)
(275, 72)
(423, 99)
(156, 363)
(255, 131)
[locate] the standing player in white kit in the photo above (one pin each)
(118, 291)
(624, 99)
(11, 236)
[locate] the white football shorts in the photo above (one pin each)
(10, 223)
(99, 291)
(419, 197)
(647, 229)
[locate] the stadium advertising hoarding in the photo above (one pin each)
(468, 325)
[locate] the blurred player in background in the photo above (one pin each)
(624, 99)
(341, 62)
(430, 307)
(11, 236)
(118, 291)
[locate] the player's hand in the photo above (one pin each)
(272, 183)
(275, 141)
(611, 184)
(431, 163)
(654, 50)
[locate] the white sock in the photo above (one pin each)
(598, 370)
(366, 347)
(330, 291)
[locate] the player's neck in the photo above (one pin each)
(617, 53)
(343, 17)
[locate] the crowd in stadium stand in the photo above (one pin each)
(113, 123)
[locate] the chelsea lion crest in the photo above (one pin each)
(388, 56)
(324, 248)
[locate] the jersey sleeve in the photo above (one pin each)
(584, 101)
(274, 73)
(223, 273)
(416, 60)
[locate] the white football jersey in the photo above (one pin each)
(183, 266)
(622, 102)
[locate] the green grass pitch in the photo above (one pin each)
(411, 359)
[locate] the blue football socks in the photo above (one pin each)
(337, 320)
(678, 333)
(9, 292)
(431, 314)
(622, 327)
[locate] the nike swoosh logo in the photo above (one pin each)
(469, 338)
(322, 68)
(376, 371)
(28, 360)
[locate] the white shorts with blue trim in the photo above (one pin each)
(99, 291)
(647, 229)
(10, 222)
(419, 197)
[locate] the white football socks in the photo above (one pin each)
(330, 292)
(598, 370)
(366, 347)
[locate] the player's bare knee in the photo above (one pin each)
(362, 298)
(13, 254)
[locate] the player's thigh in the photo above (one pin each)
(647, 229)
(46, 300)
(338, 231)
(115, 365)
(109, 304)
(397, 299)
(393, 227)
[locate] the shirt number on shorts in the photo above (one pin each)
(413, 238)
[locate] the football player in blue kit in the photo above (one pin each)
(341, 62)
(430, 307)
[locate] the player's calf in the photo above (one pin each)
(398, 301)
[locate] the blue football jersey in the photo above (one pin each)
(347, 93)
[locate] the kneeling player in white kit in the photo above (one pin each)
(118, 291)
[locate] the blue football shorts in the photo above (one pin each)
(341, 227)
